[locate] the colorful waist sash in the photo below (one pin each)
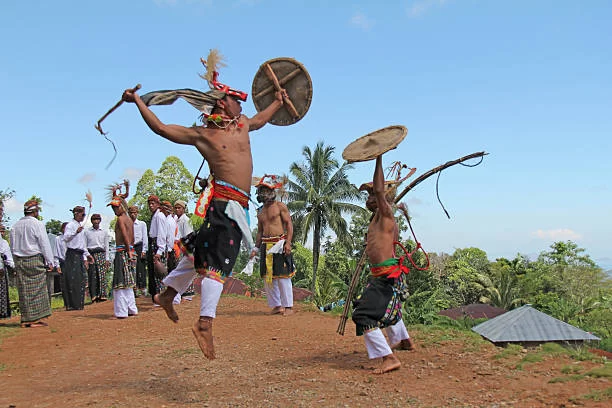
(223, 190)
(391, 268)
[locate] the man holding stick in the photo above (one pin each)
(224, 142)
(380, 304)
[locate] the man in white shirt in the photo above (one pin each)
(171, 235)
(6, 260)
(184, 229)
(141, 244)
(97, 242)
(157, 245)
(33, 260)
(76, 261)
(59, 254)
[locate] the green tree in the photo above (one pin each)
(467, 269)
(171, 182)
(5, 195)
(320, 197)
(54, 226)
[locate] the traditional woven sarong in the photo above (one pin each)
(380, 304)
(73, 282)
(32, 287)
(124, 276)
(5, 303)
(155, 284)
(274, 265)
(98, 274)
(216, 245)
(141, 270)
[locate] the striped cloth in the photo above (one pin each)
(202, 101)
(34, 301)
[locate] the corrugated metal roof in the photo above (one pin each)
(528, 324)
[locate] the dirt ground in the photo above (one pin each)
(85, 359)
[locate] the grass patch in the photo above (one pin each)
(529, 358)
(184, 352)
(510, 350)
(574, 377)
(602, 395)
(571, 369)
(601, 372)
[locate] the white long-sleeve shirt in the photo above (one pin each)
(29, 237)
(74, 239)
(170, 232)
(97, 239)
(59, 251)
(5, 251)
(140, 234)
(184, 226)
(158, 230)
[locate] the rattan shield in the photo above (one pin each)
(290, 75)
(374, 144)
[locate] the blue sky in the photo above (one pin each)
(528, 82)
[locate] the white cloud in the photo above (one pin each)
(132, 173)
(557, 234)
(420, 7)
(11, 205)
(87, 178)
(362, 21)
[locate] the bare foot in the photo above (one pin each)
(165, 300)
(405, 344)
(202, 330)
(389, 363)
(277, 310)
(288, 311)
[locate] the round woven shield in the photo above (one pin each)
(293, 77)
(374, 144)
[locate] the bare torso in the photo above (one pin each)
(382, 232)
(228, 152)
(270, 220)
(124, 230)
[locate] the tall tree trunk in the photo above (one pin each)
(316, 248)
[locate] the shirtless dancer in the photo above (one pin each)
(379, 306)
(274, 225)
(223, 140)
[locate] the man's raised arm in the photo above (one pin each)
(261, 118)
(174, 133)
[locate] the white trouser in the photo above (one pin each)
(286, 292)
(182, 276)
(397, 332)
(376, 344)
(124, 302)
(272, 293)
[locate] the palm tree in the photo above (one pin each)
(318, 199)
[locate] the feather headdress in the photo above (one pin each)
(116, 197)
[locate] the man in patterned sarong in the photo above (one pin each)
(274, 235)
(380, 304)
(223, 140)
(141, 244)
(97, 242)
(33, 261)
(6, 261)
(124, 276)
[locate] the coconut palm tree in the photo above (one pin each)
(319, 197)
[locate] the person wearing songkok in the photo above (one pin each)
(157, 244)
(97, 241)
(274, 235)
(141, 244)
(76, 261)
(184, 229)
(59, 255)
(223, 140)
(124, 276)
(6, 261)
(380, 304)
(33, 261)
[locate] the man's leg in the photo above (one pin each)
(273, 296)
(286, 295)
(377, 347)
(399, 337)
(202, 328)
(177, 281)
(120, 303)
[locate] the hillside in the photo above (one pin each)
(86, 359)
